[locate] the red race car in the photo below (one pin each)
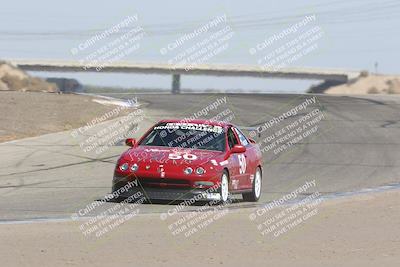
(191, 159)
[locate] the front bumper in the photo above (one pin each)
(172, 194)
(166, 188)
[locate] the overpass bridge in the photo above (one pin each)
(328, 75)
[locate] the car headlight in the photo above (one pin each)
(200, 171)
(188, 170)
(134, 167)
(123, 167)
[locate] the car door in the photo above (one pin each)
(239, 175)
(249, 157)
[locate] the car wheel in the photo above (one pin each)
(224, 187)
(255, 193)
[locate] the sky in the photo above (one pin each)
(356, 34)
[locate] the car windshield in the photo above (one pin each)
(186, 135)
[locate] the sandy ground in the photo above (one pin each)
(15, 79)
(26, 114)
(372, 84)
(356, 231)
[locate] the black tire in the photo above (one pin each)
(254, 196)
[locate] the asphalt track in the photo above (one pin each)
(356, 146)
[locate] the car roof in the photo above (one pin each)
(208, 122)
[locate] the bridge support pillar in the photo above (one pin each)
(176, 83)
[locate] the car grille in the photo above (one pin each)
(164, 182)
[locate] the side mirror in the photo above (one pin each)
(238, 149)
(130, 142)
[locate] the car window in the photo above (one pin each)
(186, 135)
(242, 137)
(232, 140)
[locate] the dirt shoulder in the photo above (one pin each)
(356, 231)
(369, 84)
(26, 114)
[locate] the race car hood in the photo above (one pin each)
(160, 155)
